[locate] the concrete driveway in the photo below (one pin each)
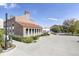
(53, 45)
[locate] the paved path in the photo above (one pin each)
(53, 45)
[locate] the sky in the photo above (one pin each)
(44, 14)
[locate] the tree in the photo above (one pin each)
(66, 25)
(72, 29)
(77, 26)
(55, 28)
(61, 28)
(69, 25)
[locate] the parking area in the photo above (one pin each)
(53, 45)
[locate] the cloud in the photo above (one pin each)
(5, 5)
(12, 5)
(1, 19)
(54, 19)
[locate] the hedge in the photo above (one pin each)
(24, 39)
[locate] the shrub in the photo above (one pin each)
(45, 34)
(17, 38)
(77, 31)
(35, 37)
(1, 44)
(24, 39)
(55, 28)
(1, 49)
(27, 39)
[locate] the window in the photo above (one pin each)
(12, 26)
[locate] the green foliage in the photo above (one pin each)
(25, 39)
(55, 28)
(69, 26)
(77, 26)
(0, 49)
(77, 31)
(35, 37)
(61, 28)
(17, 38)
(72, 29)
(1, 39)
(45, 34)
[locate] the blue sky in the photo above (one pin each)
(45, 15)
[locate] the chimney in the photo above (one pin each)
(26, 14)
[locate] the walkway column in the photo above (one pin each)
(39, 31)
(34, 31)
(28, 31)
(31, 31)
(24, 32)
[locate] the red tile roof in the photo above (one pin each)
(29, 25)
(26, 23)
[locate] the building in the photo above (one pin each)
(1, 23)
(23, 26)
(46, 30)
